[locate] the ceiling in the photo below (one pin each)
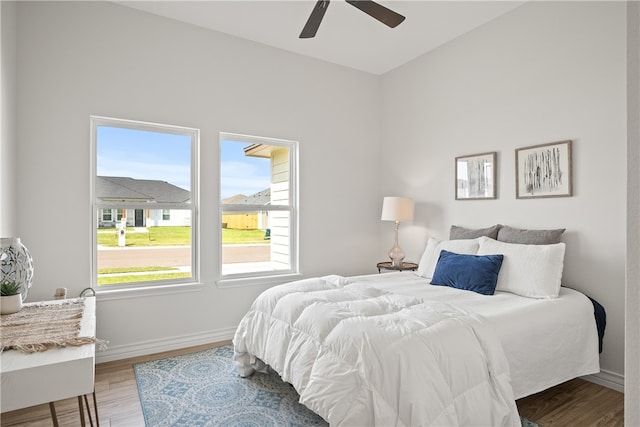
(347, 36)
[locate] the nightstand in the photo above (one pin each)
(405, 266)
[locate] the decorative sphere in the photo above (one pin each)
(16, 264)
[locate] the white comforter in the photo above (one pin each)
(360, 355)
(546, 341)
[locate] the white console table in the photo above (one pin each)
(52, 375)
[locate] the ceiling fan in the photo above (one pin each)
(371, 8)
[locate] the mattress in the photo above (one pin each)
(546, 341)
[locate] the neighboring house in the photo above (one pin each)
(248, 220)
(123, 189)
(279, 194)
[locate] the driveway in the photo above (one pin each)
(177, 256)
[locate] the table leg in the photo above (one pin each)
(86, 402)
(54, 417)
(95, 408)
(81, 408)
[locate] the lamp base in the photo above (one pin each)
(396, 263)
(396, 255)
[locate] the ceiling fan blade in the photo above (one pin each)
(378, 11)
(311, 27)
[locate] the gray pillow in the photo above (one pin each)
(529, 237)
(458, 233)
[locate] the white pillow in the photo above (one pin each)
(533, 271)
(432, 252)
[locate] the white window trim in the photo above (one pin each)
(160, 285)
(266, 277)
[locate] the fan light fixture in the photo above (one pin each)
(371, 8)
(397, 209)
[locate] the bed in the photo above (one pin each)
(406, 349)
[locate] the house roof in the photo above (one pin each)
(233, 199)
(116, 188)
(260, 198)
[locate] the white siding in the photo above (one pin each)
(280, 224)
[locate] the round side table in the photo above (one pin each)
(410, 266)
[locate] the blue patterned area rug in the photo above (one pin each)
(204, 389)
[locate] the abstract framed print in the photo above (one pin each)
(544, 170)
(476, 176)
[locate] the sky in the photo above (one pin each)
(241, 174)
(166, 157)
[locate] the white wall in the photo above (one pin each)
(545, 72)
(8, 140)
(80, 58)
(632, 319)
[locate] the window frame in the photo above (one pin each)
(96, 206)
(269, 276)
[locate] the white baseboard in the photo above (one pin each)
(607, 379)
(165, 344)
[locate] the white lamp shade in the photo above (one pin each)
(397, 209)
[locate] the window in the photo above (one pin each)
(144, 199)
(106, 215)
(258, 207)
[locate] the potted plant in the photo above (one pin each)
(10, 298)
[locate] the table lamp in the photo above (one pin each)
(397, 209)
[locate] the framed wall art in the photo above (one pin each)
(476, 176)
(544, 170)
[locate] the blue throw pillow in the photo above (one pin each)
(477, 273)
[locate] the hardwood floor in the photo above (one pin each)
(574, 403)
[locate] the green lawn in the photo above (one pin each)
(162, 236)
(114, 280)
(175, 236)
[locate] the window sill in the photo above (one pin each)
(259, 280)
(143, 292)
